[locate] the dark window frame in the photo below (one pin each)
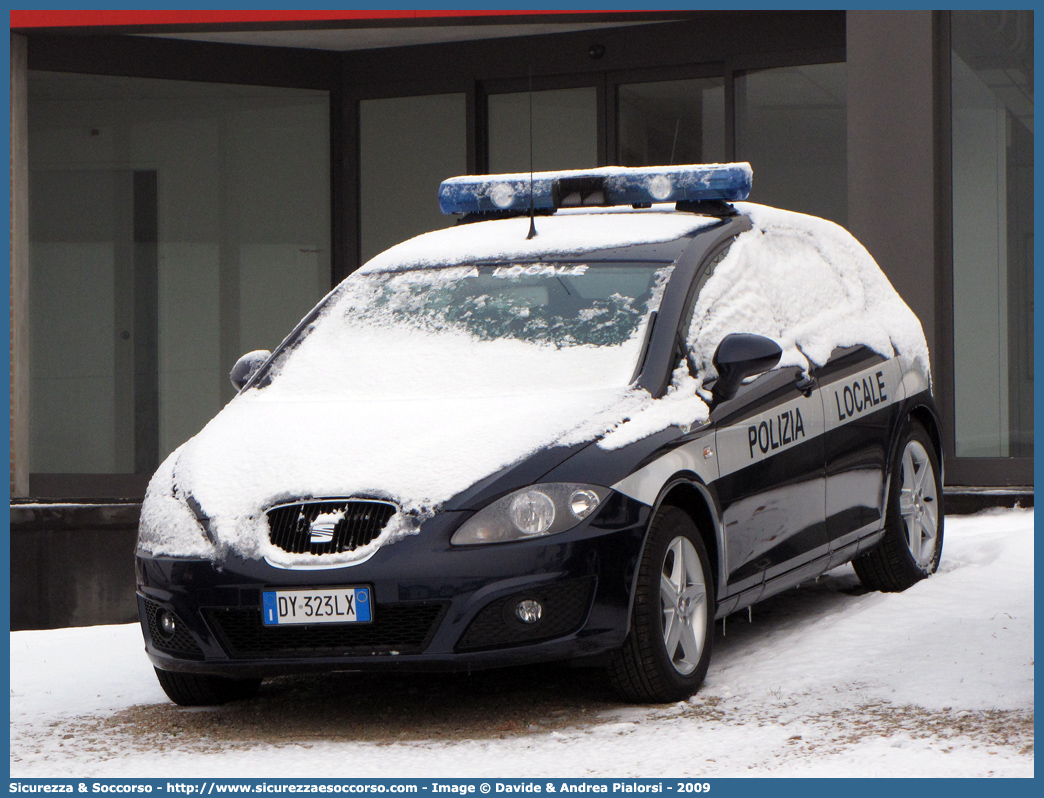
(485, 88)
(988, 471)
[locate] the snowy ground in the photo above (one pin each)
(826, 680)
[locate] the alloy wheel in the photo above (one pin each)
(683, 600)
(918, 503)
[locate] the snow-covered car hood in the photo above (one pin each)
(388, 393)
(416, 452)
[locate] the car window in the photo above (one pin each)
(563, 304)
(777, 283)
(480, 328)
(691, 330)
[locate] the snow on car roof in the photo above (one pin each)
(567, 232)
(812, 287)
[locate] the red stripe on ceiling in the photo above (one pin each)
(84, 18)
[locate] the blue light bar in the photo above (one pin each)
(609, 186)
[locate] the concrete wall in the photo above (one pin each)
(72, 565)
(19, 268)
(891, 151)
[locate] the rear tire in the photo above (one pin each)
(204, 690)
(912, 543)
(667, 652)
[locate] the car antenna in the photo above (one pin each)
(532, 219)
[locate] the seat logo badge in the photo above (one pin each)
(321, 531)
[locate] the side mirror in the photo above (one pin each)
(738, 356)
(246, 367)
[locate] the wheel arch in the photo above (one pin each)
(924, 413)
(689, 494)
(928, 419)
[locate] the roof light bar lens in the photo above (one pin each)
(609, 186)
(485, 193)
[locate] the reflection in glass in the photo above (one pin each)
(992, 117)
(671, 122)
(791, 125)
(173, 226)
(565, 130)
(407, 147)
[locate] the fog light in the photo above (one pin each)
(167, 623)
(529, 611)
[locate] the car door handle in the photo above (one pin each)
(804, 383)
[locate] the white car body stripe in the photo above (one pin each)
(697, 456)
(725, 451)
(862, 393)
(767, 434)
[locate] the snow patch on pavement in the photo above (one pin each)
(825, 680)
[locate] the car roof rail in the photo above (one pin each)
(711, 207)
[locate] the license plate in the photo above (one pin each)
(326, 605)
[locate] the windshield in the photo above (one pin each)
(501, 327)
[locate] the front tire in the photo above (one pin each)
(204, 690)
(667, 652)
(912, 543)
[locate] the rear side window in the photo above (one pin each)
(808, 285)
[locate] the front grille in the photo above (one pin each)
(564, 608)
(181, 642)
(402, 628)
(327, 527)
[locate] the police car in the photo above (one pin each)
(602, 411)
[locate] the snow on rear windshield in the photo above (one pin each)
(504, 326)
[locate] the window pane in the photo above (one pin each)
(408, 145)
(565, 130)
(791, 125)
(992, 82)
(672, 122)
(173, 226)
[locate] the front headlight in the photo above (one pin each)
(536, 511)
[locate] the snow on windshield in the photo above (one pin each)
(412, 386)
(477, 329)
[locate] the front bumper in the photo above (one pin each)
(436, 606)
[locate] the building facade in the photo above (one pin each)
(186, 185)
